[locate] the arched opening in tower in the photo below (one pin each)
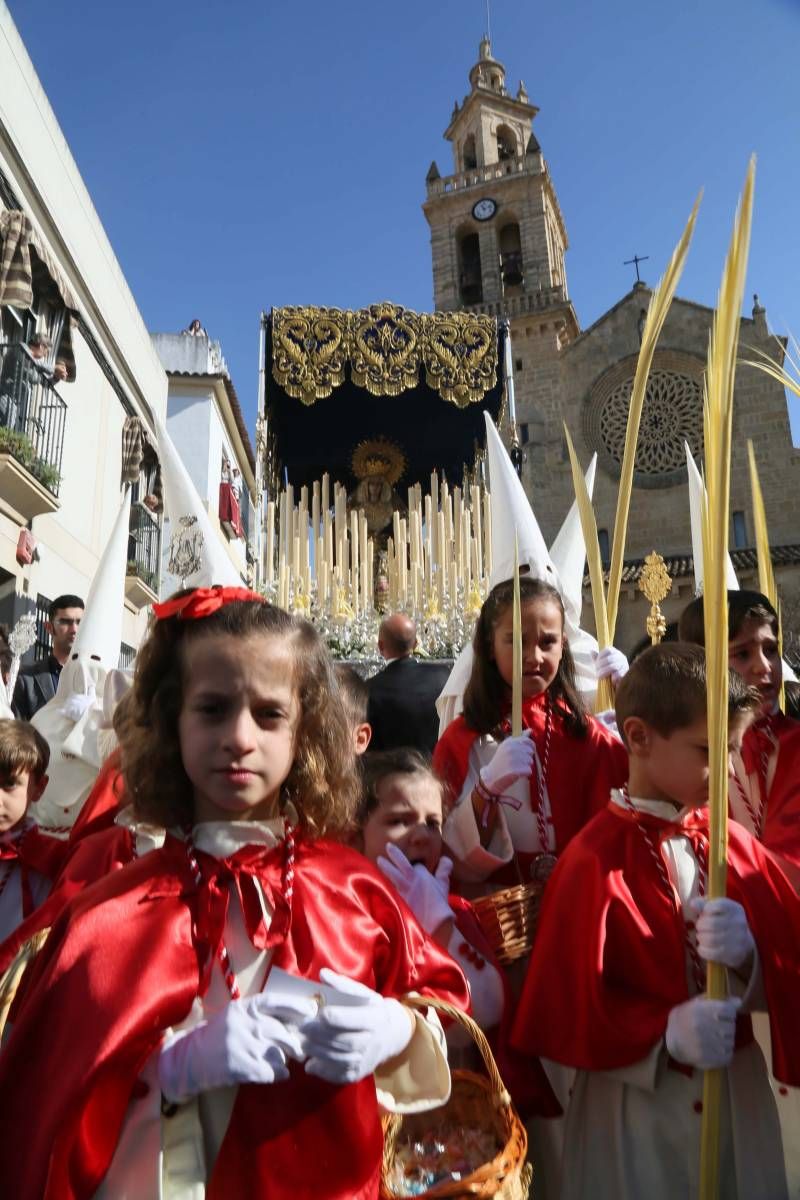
(506, 143)
(511, 256)
(469, 157)
(470, 278)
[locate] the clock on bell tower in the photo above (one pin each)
(497, 234)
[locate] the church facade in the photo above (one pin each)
(499, 242)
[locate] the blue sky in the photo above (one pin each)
(244, 155)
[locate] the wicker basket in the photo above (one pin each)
(476, 1101)
(509, 919)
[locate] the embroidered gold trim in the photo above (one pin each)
(309, 351)
(461, 356)
(387, 347)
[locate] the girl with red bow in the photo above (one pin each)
(182, 1069)
(519, 800)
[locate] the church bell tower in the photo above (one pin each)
(498, 239)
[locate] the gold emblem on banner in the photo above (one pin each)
(385, 349)
(309, 351)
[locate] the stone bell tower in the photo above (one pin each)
(498, 239)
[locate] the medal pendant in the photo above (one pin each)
(542, 867)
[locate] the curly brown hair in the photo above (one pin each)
(486, 695)
(322, 784)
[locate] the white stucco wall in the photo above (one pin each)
(36, 161)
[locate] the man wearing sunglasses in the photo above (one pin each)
(37, 682)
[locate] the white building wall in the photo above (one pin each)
(38, 166)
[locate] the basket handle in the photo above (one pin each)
(501, 1095)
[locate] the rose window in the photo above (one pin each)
(672, 415)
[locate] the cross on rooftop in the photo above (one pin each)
(635, 262)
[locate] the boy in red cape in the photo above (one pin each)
(616, 979)
(29, 859)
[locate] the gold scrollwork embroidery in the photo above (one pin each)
(460, 356)
(385, 348)
(309, 351)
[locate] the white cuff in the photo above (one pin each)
(418, 1079)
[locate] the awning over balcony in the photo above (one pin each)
(337, 379)
(26, 268)
(138, 452)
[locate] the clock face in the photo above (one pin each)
(484, 210)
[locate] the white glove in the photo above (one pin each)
(702, 1032)
(425, 894)
(723, 935)
(612, 663)
(345, 1043)
(246, 1042)
(513, 760)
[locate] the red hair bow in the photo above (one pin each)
(202, 602)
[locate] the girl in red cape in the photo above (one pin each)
(616, 988)
(153, 1055)
(518, 801)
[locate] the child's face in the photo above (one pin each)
(16, 795)
(238, 724)
(753, 652)
(675, 767)
(542, 645)
(409, 815)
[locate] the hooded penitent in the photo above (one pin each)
(195, 556)
(514, 519)
(71, 722)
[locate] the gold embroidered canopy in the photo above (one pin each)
(388, 350)
(337, 381)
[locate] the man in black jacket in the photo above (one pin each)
(37, 682)
(402, 697)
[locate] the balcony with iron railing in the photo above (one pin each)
(144, 556)
(32, 423)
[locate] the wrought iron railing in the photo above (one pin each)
(144, 546)
(32, 415)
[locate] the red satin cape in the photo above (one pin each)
(580, 772)
(122, 965)
(87, 860)
(608, 962)
(782, 823)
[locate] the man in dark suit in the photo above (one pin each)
(37, 682)
(402, 697)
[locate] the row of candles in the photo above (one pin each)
(438, 555)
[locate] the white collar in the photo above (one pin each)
(221, 839)
(656, 808)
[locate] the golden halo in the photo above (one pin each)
(378, 457)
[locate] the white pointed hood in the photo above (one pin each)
(72, 720)
(697, 490)
(513, 518)
(190, 535)
(568, 555)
